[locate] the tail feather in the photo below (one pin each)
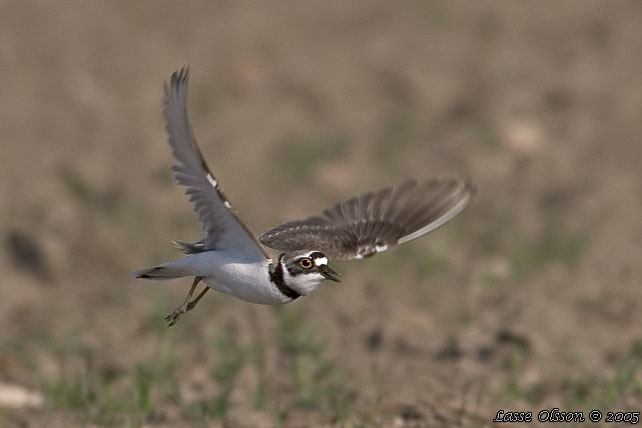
(158, 273)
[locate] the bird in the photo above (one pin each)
(291, 259)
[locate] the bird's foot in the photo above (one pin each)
(174, 316)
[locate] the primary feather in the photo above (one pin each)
(223, 228)
(370, 223)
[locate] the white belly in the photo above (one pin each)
(249, 281)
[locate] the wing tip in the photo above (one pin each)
(179, 78)
(181, 75)
(463, 194)
(463, 186)
(469, 187)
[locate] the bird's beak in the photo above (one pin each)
(329, 273)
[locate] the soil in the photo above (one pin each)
(529, 300)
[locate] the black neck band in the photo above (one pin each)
(276, 276)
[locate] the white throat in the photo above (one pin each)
(304, 283)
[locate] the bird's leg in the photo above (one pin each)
(193, 303)
(174, 316)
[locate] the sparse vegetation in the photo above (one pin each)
(550, 247)
(529, 300)
(298, 157)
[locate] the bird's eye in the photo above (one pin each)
(305, 263)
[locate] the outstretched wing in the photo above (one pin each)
(223, 228)
(370, 223)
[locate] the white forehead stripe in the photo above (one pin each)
(321, 261)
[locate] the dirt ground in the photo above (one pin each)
(529, 300)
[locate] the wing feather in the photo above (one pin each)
(222, 226)
(374, 221)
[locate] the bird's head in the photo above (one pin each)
(303, 271)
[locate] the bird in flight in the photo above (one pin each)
(289, 260)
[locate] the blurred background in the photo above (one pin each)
(529, 300)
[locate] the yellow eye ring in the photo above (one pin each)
(305, 263)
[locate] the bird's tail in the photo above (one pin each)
(158, 273)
